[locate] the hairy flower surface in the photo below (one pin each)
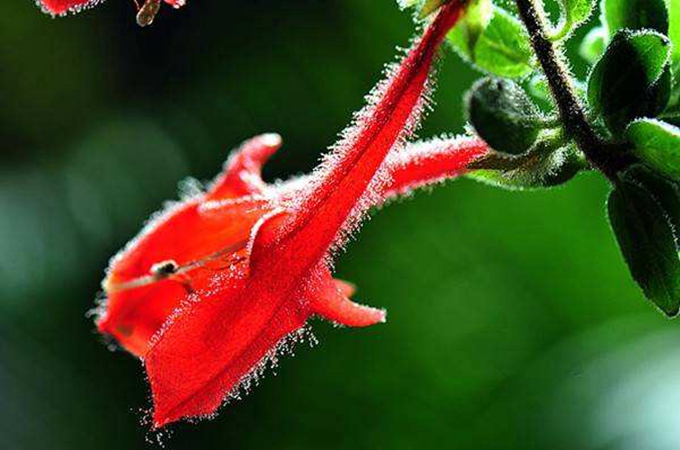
(213, 287)
(146, 10)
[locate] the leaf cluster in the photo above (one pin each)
(631, 100)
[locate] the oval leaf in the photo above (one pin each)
(657, 144)
(646, 239)
(665, 191)
(635, 15)
(502, 48)
(632, 78)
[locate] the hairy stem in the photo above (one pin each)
(572, 112)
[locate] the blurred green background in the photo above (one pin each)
(513, 323)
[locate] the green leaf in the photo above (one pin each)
(501, 113)
(593, 44)
(632, 79)
(470, 27)
(657, 144)
(635, 15)
(577, 11)
(664, 191)
(574, 14)
(672, 112)
(646, 239)
(674, 34)
(501, 47)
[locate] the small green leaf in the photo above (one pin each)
(657, 144)
(593, 44)
(574, 14)
(632, 78)
(501, 48)
(578, 11)
(646, 239)
(470, 27)
(635, 15)
(501, 113)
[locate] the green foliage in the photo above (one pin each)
(665, 191)
(657, 144)
(674, 32)
(645, 236)
(574, 14)
(466, 33)
(494, 41)
(503, 115)
(633, 105)
(635, 15)
(617, 15)
(632, 79)
(577, 11)
(593, 45)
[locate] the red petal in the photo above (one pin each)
(59, 7)
(242, 175)
(346, 288)
(216, 346)
(137, 305)
(176, 3)
(344, 179)
(330, 302)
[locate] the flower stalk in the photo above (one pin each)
(571, 110)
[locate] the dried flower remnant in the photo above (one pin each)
(146, 12)
(216, 285)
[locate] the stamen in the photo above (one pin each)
(148, 12)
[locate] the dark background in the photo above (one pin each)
(513, 322)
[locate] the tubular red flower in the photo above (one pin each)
(215, 286)
(199, 235)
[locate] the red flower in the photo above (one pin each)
(214, 287)
(146, 11)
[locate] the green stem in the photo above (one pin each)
(572, 113)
